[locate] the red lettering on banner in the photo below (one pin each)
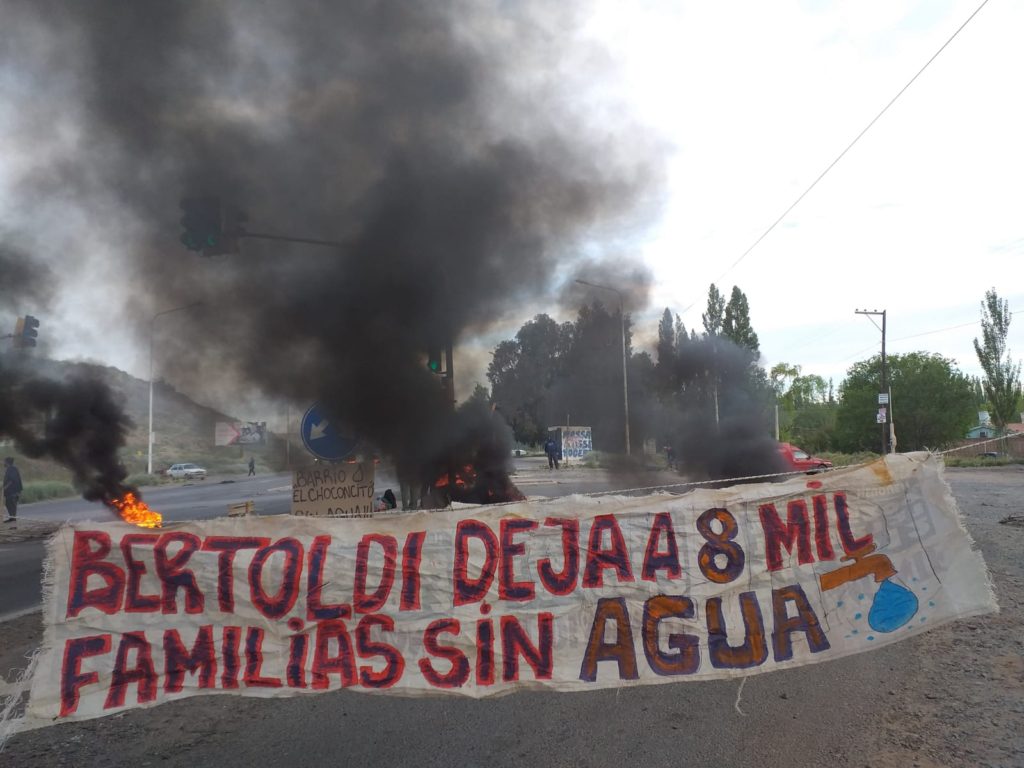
(278, 605)
(822, 539)
(367, 648)
(254, 661)
(508, 587)
(142, 672)
(71, 676)
(412, 553)
(87, 561)
(134, 601)
(515, 642)
(465, 589)
(316, 609)
(795, 532)
(620, 651)
(564, 582)
(325, 663)
(230, 643)
(298, 645)
(485, 652)
(615, 556)
(851, 544)
(362, 602)
(177, 660)
(656, 559)
(175, 576)
(457, 676)
(228, 547)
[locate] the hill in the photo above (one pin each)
(184, 429)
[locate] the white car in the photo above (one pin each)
(187, 472)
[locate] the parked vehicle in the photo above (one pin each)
(799, 460)
(186, 472)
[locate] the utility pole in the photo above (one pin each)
(884, 395)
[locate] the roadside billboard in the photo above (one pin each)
(240, 433)
(576, 442)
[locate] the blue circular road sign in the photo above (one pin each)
(322, 439)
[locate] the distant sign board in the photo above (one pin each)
(322, 438)
(338, 490)
(576, 442)
(240, 433)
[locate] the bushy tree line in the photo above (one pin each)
(707, 394)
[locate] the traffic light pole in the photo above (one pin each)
(286, 239)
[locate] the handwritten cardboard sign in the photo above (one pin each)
(334, 490)
(572, 595)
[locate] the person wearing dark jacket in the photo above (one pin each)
(551, 449)
(12, 489)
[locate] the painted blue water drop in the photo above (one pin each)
(894, 605)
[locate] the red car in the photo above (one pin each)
(799, 460)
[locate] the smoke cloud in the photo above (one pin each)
(447, 147)
(74, 422)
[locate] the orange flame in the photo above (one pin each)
(463, 477)
(134, 510)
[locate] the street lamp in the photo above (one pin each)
(622, 317)
(152, 325)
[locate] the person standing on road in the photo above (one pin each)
(12, 489)
(252, 466)
(551, 449)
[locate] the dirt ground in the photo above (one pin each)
(959, 702)
(963, 701)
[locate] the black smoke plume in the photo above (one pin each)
(716, 421)
(75, 422)
(441, 144)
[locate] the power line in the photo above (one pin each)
(925, 333)
(848, 148)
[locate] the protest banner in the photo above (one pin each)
(334, 490)
(571, 595)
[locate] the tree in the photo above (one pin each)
(736, 323)
(714, 317)
(523, 371)
(932, 402)
(664, 368)
(1002, 375)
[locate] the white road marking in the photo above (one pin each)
(18, 614)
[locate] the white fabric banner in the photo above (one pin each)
(572, 594)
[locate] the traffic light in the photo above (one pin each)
(434, 360)
(209, 227)
(29, 333)
(25, 332)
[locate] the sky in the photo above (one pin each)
(751, 102)
(920, 218)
